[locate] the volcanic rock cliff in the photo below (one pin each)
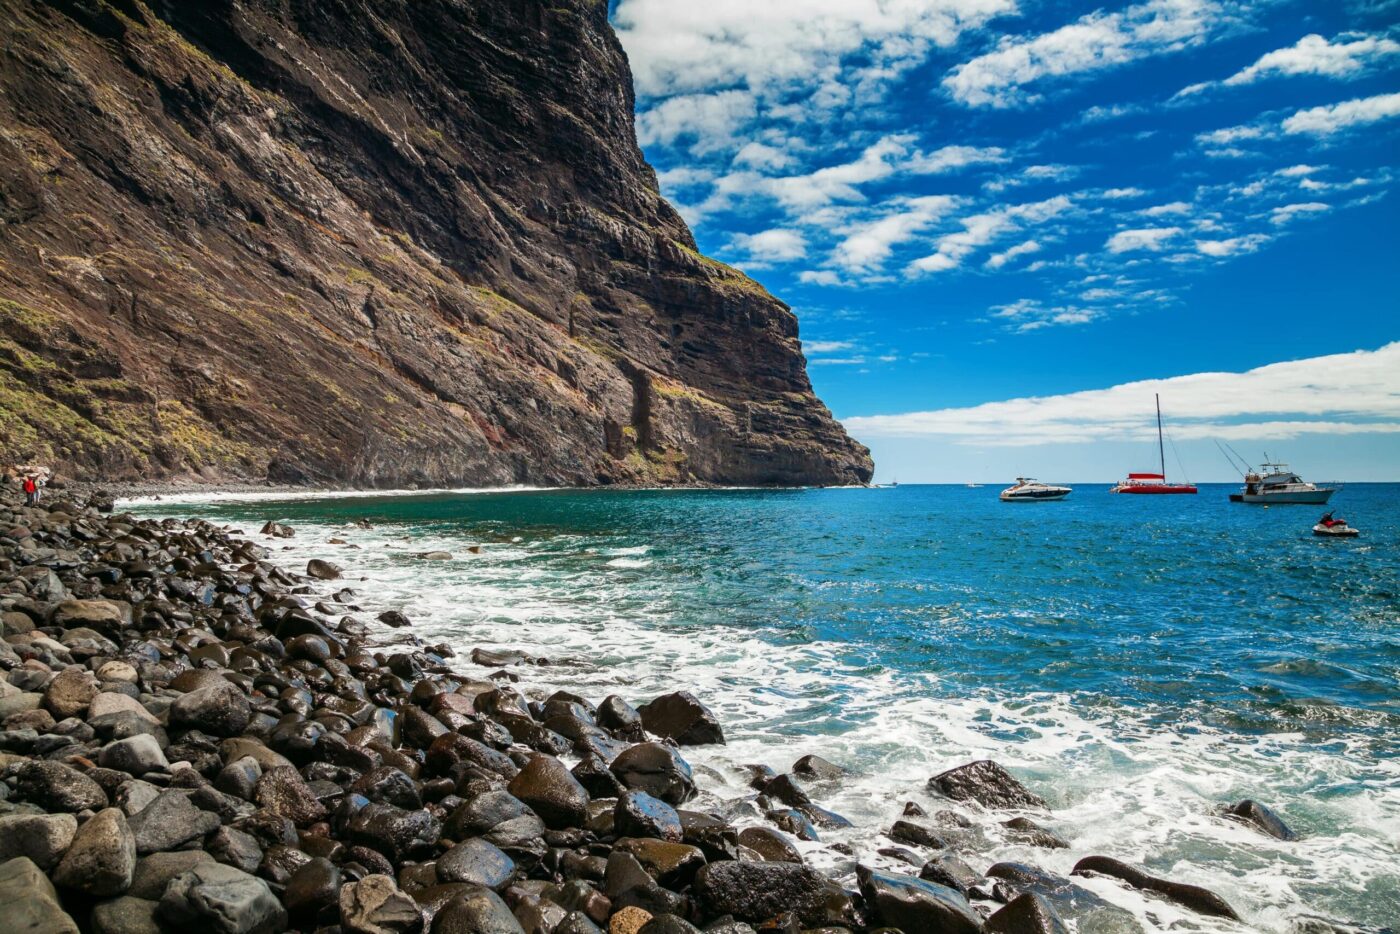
(368, 242)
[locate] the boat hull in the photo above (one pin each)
(1292, 498)
(1323, 531)
(1039, 496)
(1156, 489)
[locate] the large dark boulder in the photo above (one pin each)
(987, 783)
(1027, 913)
(1261, 818)
(656, 769)
(638, 814)
(1198, 899)
(548, 787)
(755, 892)
(681, 717)
(911, 904)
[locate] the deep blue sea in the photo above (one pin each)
(1140, 661)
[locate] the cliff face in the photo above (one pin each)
(371, 242)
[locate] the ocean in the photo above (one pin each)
(1138, 661)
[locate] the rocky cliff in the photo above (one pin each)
(368, 242)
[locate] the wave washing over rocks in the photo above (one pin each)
(194, 736)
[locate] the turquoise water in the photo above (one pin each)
(1141, 660)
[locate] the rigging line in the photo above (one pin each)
(1176, 454)
(1234, 466)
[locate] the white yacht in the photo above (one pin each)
(1027, 490)
(1275, 483)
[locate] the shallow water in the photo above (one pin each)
(1137, 660)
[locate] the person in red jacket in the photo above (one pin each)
(31, 490)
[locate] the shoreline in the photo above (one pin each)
(492, 730)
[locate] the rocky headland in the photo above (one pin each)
(193, 735)
(380, 244)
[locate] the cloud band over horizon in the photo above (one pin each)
(1338, 394)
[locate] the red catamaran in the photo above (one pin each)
(1153, 482)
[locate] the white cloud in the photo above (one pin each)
(1294, 171)
(1348, 55)
(1332, 118)
(819, 347)
(1093, 42)
(770, 48)
(1152, 239)
(1231, 246)
(1230, 134)
(1289, 212)
(1120, 193)
(820, 277)
(998, 260)
(1349, 393)
(982, 229)
(772, 246)
(1029, 315)
(1160, 210)
(762, 157)
(711, 120)
(866, 246)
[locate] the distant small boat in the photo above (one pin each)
(974, 486)
(1149, 483)
(1275, 483)
(1027, 490)
(1328, 527)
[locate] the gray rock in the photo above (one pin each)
(375, 905)
(478, 862)
(322, 570)
(70, 692)
(220, 710)
(987, 783)
(239, 778)
(817, 769)
(125, 915)
(102, 857)
(395, 832)
(134, 796)
(154, 872)
(234, 847)
(58, 787)
(916, 905)
(43, 838)
(219, 898)
(169, 822)
(136, 755)
(1024, 830)
(282, 791)
(30, 902)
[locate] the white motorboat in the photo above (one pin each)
(1328, 527)
(1027, 490)
(1275, 483)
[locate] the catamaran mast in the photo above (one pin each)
(1161, 451)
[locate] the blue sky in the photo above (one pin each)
(1000, 221)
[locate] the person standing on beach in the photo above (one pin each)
(31, 490)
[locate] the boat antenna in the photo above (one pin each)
(1227, 451)
(1161, 451)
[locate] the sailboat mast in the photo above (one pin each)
(1161, 451)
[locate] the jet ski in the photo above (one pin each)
(1330, 527)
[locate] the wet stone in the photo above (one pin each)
(986, 783)
(681, 717)
(476, 861)
(638, 814)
